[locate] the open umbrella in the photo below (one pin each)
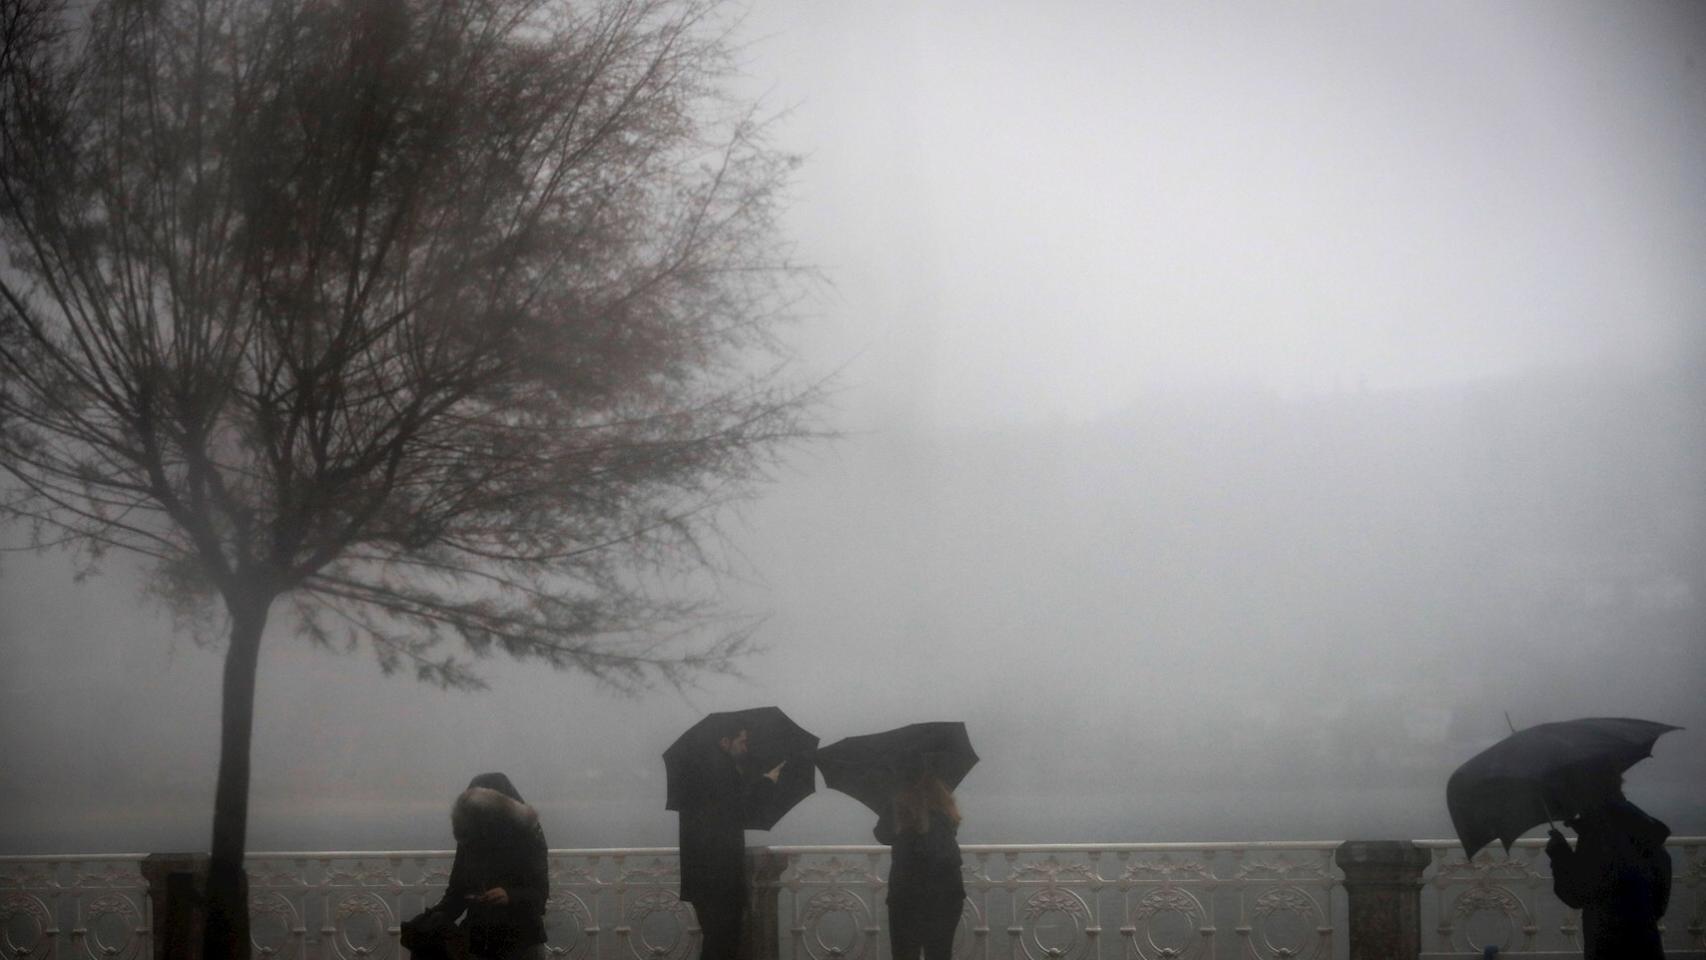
(872, 767)
(771, 739)
(1535, 775)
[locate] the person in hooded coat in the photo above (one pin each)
(499, 877)
(1618, 875)
(713, 811)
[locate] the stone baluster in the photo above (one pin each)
(1383, 891)
(176, 887)
(761, 933)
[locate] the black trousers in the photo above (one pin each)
(924, 923)
(719, 923)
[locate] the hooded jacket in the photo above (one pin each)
(1619, 876)
(499, 843)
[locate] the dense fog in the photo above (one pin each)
(1243, 409)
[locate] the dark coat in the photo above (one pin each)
(499, 843)
(433, 936)
(713, 809)
(1619, 877)
(923, 865)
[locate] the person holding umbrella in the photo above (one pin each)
(907, 777)
(715, 787)
(926, 890)
(1618, 875)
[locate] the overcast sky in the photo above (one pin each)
(1246, 405)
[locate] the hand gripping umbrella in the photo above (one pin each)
(872, 767)
(1535, 775)
(772, 738)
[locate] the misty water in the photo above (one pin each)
(1218, 616)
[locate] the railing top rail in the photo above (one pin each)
(1165, 847)
(809, 849)
(1532, 842)
(406, 854)
(72, 857)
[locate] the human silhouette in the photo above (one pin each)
(1619, 872)
(714, 804)
(926, 891)
(500, 876)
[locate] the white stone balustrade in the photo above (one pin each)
(1507, 902)
(1157, 901)
(74, 908)
(1263, 901)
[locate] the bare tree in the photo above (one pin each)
(439, 320)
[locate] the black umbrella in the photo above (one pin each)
(772, 738)
(872, 767)
(1536, 775)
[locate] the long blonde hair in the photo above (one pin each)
(914, 803)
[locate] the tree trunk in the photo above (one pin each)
(227, 932)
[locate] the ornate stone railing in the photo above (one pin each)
(1507, 902)
(1263, 901)
(58, 908)
(343, 906)
(1207, 901)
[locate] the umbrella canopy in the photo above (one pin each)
(771, 739)
(1537, 774)
(872, 767)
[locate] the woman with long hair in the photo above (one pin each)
(500, 877)
(926, 891)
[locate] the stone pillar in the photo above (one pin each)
(761, 927)
(177, 884)
(1383, 890)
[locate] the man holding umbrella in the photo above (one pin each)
(714, 786)
(1618, 875)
